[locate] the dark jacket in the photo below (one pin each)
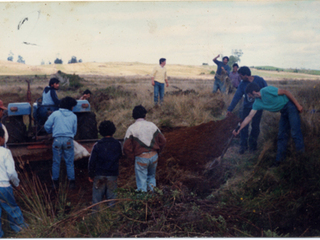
(241, 90)
(49, 97)
(104, 159)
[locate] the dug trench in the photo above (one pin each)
(181, 165)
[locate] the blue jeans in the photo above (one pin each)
(14, 213)
(62, 146)
(255, 130)
(145, 169)
(218, 85)
(289, 123)
(158, 91)
(104, 186)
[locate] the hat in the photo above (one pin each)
(2, 106)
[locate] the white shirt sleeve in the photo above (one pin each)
(11, 171)
(6, 134)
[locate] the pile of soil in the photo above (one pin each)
(182, 164)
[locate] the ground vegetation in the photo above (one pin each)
(241, 197)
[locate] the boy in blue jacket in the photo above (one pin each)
(50, 101)
(104, 164)
(63, 126)
(49, 95)
(245, 139)
(7, 202)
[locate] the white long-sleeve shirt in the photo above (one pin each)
(7, 169)
(6, 135)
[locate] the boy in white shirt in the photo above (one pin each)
(7, 202)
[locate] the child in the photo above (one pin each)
(63, 126)
(143, 143)
(50, 101)
(273, 99)
(49, 95)
(85, 95)
(104, 164)
(7, 201)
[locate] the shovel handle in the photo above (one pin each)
(229, 142)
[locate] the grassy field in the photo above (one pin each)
(136, 69)
(252, 201)
(292, 70)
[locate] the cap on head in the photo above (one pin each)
(2, 106)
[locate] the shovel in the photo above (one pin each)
(217, 161)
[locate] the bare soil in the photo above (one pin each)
(181, 165)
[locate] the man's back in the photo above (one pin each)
(270, 100)
(104, 159)
(143, 136)
(62, 123)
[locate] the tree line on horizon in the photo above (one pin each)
(56, 61)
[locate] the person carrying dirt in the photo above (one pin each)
(63, 126)
(274, 100)
(159, 77)
(245, 75)
(104, 165)
(143, 142)
(6, 135)
(222, 69)
(85, 95)
(7, 201)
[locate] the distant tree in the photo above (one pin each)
(58, 61)
(232, 60)
(204, 64)
(20, 59)
(10, 57)
(49, 63)
(73, 60)
(80, 61)
(42, 62)
(237, 53)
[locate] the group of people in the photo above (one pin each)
(258, 96)
(142, 145)
(255, 100)
(223, 74)
(143, 140)
(62, 123)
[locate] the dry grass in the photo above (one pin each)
(114, 99)
(133, 69)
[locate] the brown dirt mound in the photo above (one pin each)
(188, 150)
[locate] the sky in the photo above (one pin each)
(283, 34)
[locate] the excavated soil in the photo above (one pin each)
(187, 152)
(181, 166)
